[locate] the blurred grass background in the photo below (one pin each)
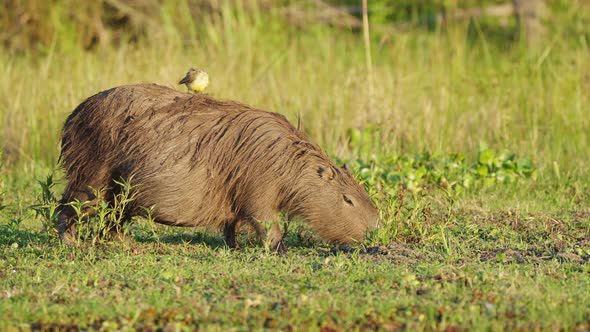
(446, 78)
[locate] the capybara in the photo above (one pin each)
(199, 161)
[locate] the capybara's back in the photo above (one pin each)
(199, 161)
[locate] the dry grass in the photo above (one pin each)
(442, 92)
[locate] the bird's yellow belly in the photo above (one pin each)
(198, 85)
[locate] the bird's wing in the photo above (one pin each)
(185, 80)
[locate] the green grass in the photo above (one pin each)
(474, 148)
(499, 269)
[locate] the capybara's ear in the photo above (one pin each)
(345, 167)
(325, 173)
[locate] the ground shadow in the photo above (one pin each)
(11, 234)
(180, 236)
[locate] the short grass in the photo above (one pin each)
(512, 267)
(473, 147)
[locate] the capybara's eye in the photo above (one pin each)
(347, 200)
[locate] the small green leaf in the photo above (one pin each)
(482, 170)
(506, 155)
(524, 165)
(420, 172)
(509, 165)
(486, 157)
(467, 181)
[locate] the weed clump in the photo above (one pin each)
(95, 220)
(452, 172)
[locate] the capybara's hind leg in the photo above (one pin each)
(66, 225)
(275, 236)
(68, 215)
(258, 228)
(66, 219)
(230, 231)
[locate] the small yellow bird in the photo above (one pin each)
(196, 80)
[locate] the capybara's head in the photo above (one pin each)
(335, 204)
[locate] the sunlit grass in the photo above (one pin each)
(441, 92)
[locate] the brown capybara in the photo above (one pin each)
(199, 161)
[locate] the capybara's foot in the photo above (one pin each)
(229, 231)
(279, 248)
(232, 243)
(67, 236)
(118, 235)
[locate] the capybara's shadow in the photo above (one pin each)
(16, 235)
(215, 242)
(179, 236)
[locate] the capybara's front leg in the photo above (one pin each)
(275, 237)
(229, 231)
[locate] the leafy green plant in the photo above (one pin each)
(502, 166)
(48, 204)
(95, 220)
(450, 172)
(400, 185)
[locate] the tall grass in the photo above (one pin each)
(440, 91)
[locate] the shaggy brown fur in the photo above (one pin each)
(199, 161)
